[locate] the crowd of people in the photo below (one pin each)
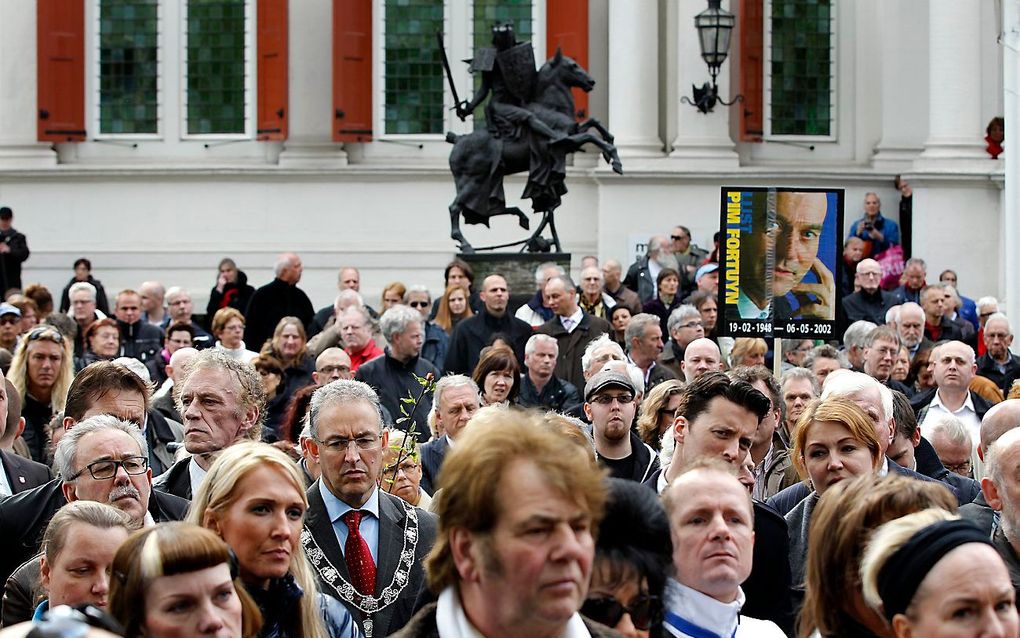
(595, 462)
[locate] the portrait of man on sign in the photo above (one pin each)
(781, 257)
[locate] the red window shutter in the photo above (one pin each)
(61, 70)
(752, 70)
(352, 70)
(566, 27)
(272, 58)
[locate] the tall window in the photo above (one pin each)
(800, 82)
(413, 72)
(487, 13)
(128, 61)
(216, 69)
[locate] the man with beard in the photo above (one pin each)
(795, 237)
(642, 274)
(609, 405)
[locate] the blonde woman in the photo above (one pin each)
(254, 499)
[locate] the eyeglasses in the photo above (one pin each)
(47, 333)
(607, 399)
(419, 304)
(362, 443)
(869, 274)
(678, 237)
(332, 369)
(107, 469)
(608, 611)
(693, 324)
(9, 320)
(406, 466)
(959, 468)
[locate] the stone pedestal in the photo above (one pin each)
(517, 268)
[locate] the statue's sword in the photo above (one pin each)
(446, 66)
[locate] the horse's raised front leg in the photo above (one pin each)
(608, 149)
(592, 123)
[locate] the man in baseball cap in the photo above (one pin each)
(610, 405)
(10, 326)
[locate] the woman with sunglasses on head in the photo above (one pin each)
(632, 555)
(254, 499)
(41, 372)
(177, 580)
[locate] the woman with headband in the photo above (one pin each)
(934, 575)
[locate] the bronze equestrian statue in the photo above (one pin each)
(530, 126)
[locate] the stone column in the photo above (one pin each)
(310, 139)
(634, 78)
(19, 147)
(1010, 268)
(702, 138)
(955, 130)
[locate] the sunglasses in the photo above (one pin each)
(419, 304)
(608, 611)
(47, 333)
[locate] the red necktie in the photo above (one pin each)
(359, 558)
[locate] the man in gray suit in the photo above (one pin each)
(366, 546)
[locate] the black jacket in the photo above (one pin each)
(868, 307)
(557, 395)
(393, 380)
(920, 402)
(236, 295)
(23, 474)
(646, 462)
(162, 438)
(432, 455)
(10, 263)
(767, 589)
(176, 480)
(101, 303)
(989, 369)
(979, 513)
(572, 344)
(928, 463)
(140, 340)
(24, 517)
(473, 333)
(268, 305)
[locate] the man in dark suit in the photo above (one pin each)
(366, 546)
(21, 474)
(456, 401)
(572, 327)
(23, 517)
(473, 334)
(999, 364)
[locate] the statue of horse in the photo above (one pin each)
(479, 161)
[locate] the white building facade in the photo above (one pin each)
(244, 128)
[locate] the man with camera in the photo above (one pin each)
(875, 230)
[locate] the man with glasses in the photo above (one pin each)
(222, 403)
(366, 546)
(688, 256)
(684, 326)
(103, 388)
(437, 342)
(331, 365)
(881, 347)
(998, 364)
(870, 302)
(609, 403)
(84, 310)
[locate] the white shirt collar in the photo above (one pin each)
(196, 474)
(575, 318)
(704, 611)
(968, 403)
(452, 622)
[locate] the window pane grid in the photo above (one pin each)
(801, 67)
(216, 66)
(487, 13)
(128, 67)
(413, 72)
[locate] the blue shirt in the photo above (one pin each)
(369, 527)
(890, 234)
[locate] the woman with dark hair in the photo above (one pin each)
(83, 272)
(632, 557)
(932, 574)
(842, 523)
(498, 376)
(921, 376)
(102, 343)
(177, 579)
(453, 307)
(231, 290)
(667, 298)
(292, 421)
(619, 319)
(270, 371)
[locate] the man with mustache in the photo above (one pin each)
(794, 236)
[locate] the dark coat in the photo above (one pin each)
(236, 295)
(166, 406)
(140, 340)
(658, 375)
(102, 305)
(423, 625)
(868, 307)
(473, 333)
(989, 369)
(928, 463)
(557, 395)
(10, 263)
(979, 513)
(432, 455)
(393, 380)
(662, 311)
(640, 280)
(1009, 557)
(646, 461)
(268, 305)
(626, 297)
(22, 593)
(436, 344)
(24, 517)
(176, 480)
(572, 344)
(767, 589)
(23, 474)
(280, 603)
(920, 403)
(327, 558)
(948, 331)
(161, 436)
(788, 498)
(671, 358)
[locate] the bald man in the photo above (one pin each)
(473, 333)
(870, 302)
(1000, 419)
(278, 299)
